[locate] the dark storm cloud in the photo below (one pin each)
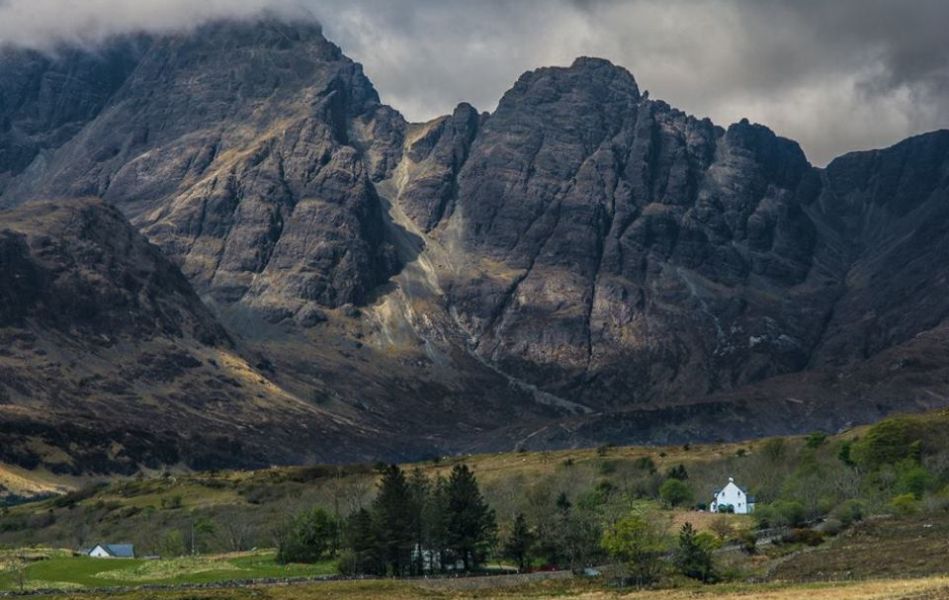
(834, 75)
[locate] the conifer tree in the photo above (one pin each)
(360, 539)
(692, 557)
(519, 543)
(472, 527)
(392, 521)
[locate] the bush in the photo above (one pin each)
(774, 450)
(845, 453)
(914, 479)
(782, 513)
(607, 467)
(675, 492)
(748, 542)
(905, 504)
(808, 537)
(887, 442)
(816, 439)
(604, 449)
(722, 528)
(171, 502)
(645, 463)
(639, 541)
(849, 512)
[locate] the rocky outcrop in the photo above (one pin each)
(886, 213)
(623, 251)
(45, 100)
(247, 152)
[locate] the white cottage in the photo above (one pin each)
(111, 551)
(733, 496)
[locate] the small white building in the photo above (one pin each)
(111, 551)
(732, 496)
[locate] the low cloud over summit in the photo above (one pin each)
(849, 74)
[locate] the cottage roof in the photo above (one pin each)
(741, 489)
(117, 550)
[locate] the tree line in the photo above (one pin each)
(415, 525)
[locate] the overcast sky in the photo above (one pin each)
(835, 75)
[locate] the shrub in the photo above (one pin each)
(639, 541)
(781, 513)
(722, 527)
(816, 439)
(844, 454)
(171, 502)
(607, 467)
(675, 492)
(774, 450)
(808, 537)
(645, 463)
(849, 512)
(748, 542)
(905, 504)
(914, 479)
(887, 442)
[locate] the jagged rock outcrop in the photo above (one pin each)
(623, 251)
(46, 99)
(247, 152)
(583, 263)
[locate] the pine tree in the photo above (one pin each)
(360, 539)
(419, 491)
(693, 558)
(392, 521)
(678, 472)
(436, 519)
(308, 538)
(563, 504)
(519, 543)
(472, 527)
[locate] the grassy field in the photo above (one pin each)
(913, 589)
(61, 571)
(157, 511)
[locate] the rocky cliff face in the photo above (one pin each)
(623, 251)
(583, 263)
(246, 151)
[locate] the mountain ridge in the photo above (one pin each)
(582, 263)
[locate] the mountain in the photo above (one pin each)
(584, 264)
(110, 360)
